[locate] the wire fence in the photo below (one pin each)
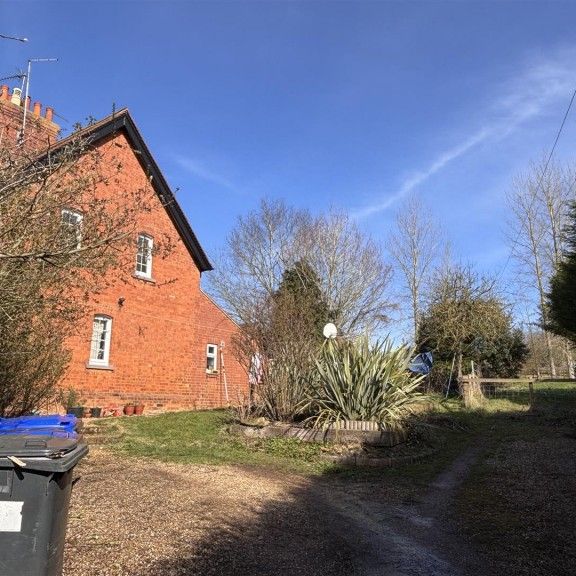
(517, 390)
(527, 391)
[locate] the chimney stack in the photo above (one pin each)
(18, 114)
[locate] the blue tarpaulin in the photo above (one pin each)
(421, 364)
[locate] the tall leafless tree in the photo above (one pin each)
(538, 204)
(415, 245)
(353, 276)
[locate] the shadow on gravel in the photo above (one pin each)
(285, 538)
(323, 530)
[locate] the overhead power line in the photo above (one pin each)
(541, 180)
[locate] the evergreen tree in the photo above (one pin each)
(465, 320)
(299, 304)
(562, 297)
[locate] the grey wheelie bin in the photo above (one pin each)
(35, 487)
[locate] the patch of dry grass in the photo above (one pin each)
(518, 505)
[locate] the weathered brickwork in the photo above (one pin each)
(41, 131)
(160, 327)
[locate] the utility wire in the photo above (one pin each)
(541, 180)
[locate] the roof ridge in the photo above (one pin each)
(122, 120)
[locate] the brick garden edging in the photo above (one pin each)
(349, 432)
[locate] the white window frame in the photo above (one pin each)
(100, 342)
(145, 244)
(212, 355)
(72, 221)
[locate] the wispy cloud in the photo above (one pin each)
(418, 178)
(543, 83)
(200, 170)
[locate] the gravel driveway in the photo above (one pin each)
(132, 517)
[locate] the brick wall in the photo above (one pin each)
(160, 327)
(41, 131)
(229, 383)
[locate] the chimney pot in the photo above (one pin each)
(37, 108)
(49, 113)
(4, 94)
(16, 96)
(28, 99)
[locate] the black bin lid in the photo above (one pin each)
(48, 453)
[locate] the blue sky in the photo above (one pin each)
(351, 105)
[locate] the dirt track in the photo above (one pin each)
(130, 517)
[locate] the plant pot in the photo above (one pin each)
(139, 409)
(77, 411)
(116, 412)
(129, 409)
(95, 412)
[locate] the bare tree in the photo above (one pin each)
(257, 252)
(539, 204)
(415, 245)
(60, 231)
(353, 277)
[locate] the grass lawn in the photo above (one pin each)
(202, 438)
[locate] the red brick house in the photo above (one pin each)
(152, 335)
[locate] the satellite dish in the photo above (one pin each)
(330, 331)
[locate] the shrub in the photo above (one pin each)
(357, 381)
(282, 388)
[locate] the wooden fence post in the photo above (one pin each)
(531, 393)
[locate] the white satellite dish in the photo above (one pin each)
(330, 331)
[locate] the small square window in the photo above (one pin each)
(101, 335)
(211, 358)
(72, 228)
(144, 256)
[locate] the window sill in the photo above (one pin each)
(212, 372)
(99, 366)
(147, 279)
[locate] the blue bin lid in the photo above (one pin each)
(56, 421)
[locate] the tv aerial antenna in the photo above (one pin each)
(19, 76)
(6, 37)
(26, 81)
